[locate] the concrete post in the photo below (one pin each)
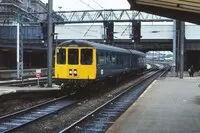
(182, 42)
(19, 52)
(174, 73)
(49, 42)
(18, 41)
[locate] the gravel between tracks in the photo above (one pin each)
(19, 101)
(56, 122)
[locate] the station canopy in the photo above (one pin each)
(185, 10)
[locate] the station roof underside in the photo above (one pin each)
(184, 10)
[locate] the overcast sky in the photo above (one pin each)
(69, 5)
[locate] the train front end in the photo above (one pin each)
(75, 66)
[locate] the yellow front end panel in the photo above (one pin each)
(61, 71)
(76, 71)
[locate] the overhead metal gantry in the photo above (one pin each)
(99, 16)
(185, 10)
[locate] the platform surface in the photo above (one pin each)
(169, 105)
(14, 80)
(8, 90)
(5, 89)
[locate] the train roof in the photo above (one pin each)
(137, 52)
(84, 43)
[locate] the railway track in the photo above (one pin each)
(21, 118)
(101, 118)
(24, 117)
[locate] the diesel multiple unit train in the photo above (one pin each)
(79, 62)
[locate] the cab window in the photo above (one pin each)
(61, 56)
(73, 56)
(86, 56)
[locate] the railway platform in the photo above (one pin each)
(8, 90)
(169, 105)
(12, 74)
(15, 80)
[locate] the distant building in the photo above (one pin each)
(10, 9)
(38, 6)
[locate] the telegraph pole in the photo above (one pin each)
(50, 41)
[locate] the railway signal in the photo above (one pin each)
(109, 31)
(44, 29)
(136, 31)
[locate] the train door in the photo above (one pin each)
(87, 69)
(73, 63)
(60, 63)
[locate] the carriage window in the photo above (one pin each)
(117, 59)
(113, 59)
(73, 56)
(61, 56)
(101, 59)
(108, 58)
(86, 56)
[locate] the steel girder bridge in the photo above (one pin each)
(107, 17)
(98, 16)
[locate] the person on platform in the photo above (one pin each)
(191, 71)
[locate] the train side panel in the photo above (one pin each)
(111, 63)
(138, 60)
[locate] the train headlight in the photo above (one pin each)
(70, 72)
(75, 72)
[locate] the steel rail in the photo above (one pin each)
(26, 116)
